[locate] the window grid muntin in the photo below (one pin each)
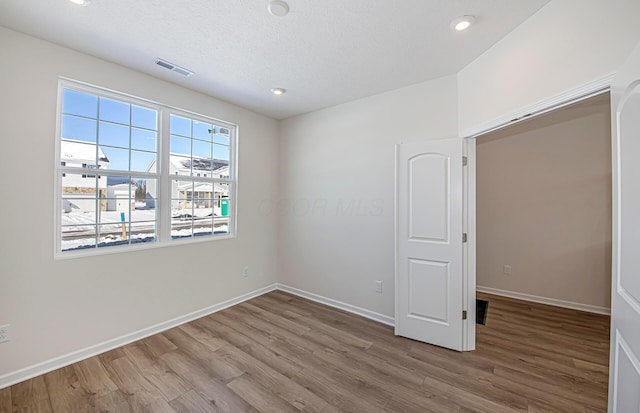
(98, 223)
(99, 120)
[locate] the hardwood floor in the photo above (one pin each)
(280, 353)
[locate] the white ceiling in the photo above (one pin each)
(325, 52)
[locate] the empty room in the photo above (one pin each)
(281, 206)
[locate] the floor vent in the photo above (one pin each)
(482, 307)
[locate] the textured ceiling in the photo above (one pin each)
(325, 52)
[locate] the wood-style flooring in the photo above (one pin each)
(280, 353)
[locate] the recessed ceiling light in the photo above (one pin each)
(462, 23)
(278, 8)
(278, 91)
(80, 2)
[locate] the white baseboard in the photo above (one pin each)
(26, 373)
(544, 300)
(381, 318)
(11, 378)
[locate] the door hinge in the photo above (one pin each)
(464, 314)
(464, 237)
(465, 161)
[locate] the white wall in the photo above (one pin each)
(344, 157)
(56, 307)
(544, 206)
(566, 44)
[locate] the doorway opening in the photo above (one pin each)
(543, 235)
(543, 208)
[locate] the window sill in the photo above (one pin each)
(116, 249)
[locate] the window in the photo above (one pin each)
(112, 190)
(199, 204)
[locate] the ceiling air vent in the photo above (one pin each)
(174, 68)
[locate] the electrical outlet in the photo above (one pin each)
(245, 272)
(506, 270)
(379, 286)
(4, 333)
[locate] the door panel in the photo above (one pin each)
(628, 373)
(428, 199)
(427, 280)
(429, 296)
(624, 372)
(630, 185)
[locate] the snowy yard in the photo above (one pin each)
(83, 230)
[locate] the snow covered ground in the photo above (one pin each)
(79, 229)
(106, 217)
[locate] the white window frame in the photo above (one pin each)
(163, 198)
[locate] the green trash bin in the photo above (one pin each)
(224, 206)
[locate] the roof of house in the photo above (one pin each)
(198, 164)
(81, 151)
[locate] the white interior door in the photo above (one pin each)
(429, 296)
(624, 377)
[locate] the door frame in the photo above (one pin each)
(586, 91)
(469, 248)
